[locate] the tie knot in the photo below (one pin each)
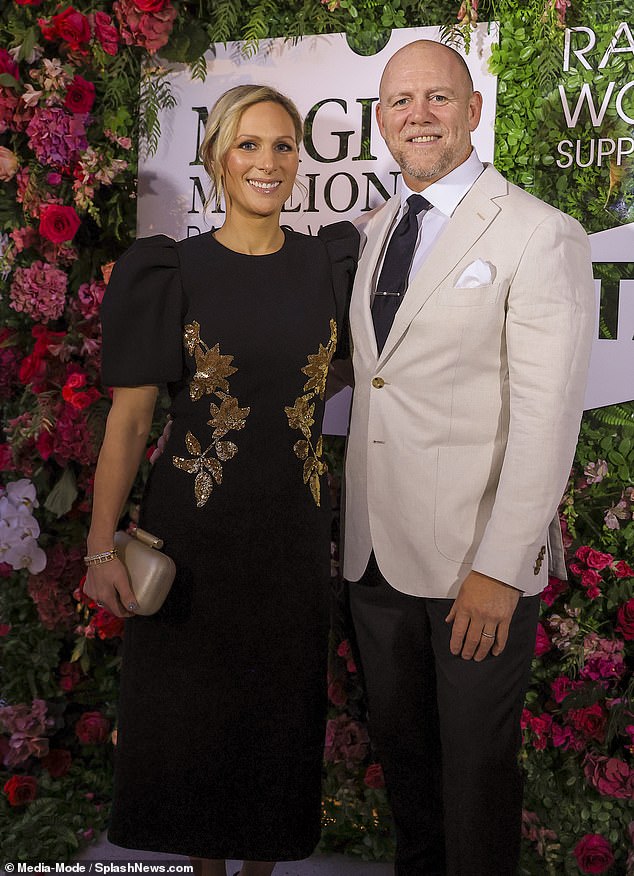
(417, 203)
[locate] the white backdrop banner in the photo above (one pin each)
(345, 167)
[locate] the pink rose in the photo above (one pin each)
(8, 164)
(150, 5)
(374, 777)
(598, 560)
(58, 224)
(106, 33)
(80, 95)
(593, 853)
(542, 642)
(553, 589)
(590, 578)
(610, 776)
(625, 619)
(541, 726)
(92, 728)
(582, 552)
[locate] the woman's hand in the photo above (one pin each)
(109, 586)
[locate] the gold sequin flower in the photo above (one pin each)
(301, 414)
(212, 369)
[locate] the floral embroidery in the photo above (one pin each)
(301, 414)
(212, 370)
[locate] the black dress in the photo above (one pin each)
(223, 692)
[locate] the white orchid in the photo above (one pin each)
(19, 529)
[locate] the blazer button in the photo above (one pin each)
(378, 382)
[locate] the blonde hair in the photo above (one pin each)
(222, 126)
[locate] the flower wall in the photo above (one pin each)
(70, 81)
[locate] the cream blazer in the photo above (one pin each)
(463, 430)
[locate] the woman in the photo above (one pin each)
(223, 698)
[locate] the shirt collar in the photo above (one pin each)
(447, 192)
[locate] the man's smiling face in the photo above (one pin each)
(427, 111)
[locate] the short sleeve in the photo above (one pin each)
(141, 316)
(342, 242)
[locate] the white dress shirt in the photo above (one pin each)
(445, 195)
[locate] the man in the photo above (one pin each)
(470, 369)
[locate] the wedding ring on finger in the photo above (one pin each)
(487, 635)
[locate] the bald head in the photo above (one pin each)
(427, 110)
(427, 49)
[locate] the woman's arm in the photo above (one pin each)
(127, 429)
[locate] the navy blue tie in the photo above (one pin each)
(392, 283)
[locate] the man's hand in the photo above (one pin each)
(481, 615)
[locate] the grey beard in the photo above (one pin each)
(440, 168)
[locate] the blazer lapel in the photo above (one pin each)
(364, 339)
(471, 219)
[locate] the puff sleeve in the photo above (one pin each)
(342, 243)
(141, 316)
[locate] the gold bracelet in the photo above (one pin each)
(105, 557)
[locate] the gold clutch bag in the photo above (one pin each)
(151, 572)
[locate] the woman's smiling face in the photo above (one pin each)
(261, 164)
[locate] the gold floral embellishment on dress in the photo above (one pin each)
(301, 414)
(212, 370)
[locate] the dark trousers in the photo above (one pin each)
(446, 730)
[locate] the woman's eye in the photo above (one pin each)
(247, 145)
(284, 147)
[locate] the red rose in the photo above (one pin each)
(582, 552)
(106, 33)
(29, 2)
(70, 26)
(92, 728)
(58, 224)
(8, 65)
(542, 642)
(108, 625)
(80, 95)
(625, 619)
(20, 790)
(590, 721)
(374, 777)
(150, 5)
(593, 853)
(598, 560)
(622, 570)
(32, 369)
(57, 762)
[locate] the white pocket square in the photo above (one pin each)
(478, 273)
